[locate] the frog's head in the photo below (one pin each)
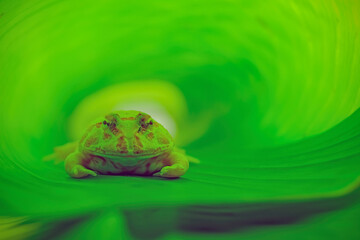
(127, 134)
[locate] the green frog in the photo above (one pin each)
(124, 142)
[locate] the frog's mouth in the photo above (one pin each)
(116, 155)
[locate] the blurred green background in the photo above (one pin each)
(265, 94)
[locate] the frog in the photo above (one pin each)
(124, 142)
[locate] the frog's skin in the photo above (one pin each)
(124, 142)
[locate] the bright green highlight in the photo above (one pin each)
(265, 94)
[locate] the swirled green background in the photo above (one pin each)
(265, 94)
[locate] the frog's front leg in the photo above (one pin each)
(176, 167)
(75, 165)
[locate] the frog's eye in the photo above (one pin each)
(144, 124)
(109, 124)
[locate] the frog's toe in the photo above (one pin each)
(79, 171)
(172, 171)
